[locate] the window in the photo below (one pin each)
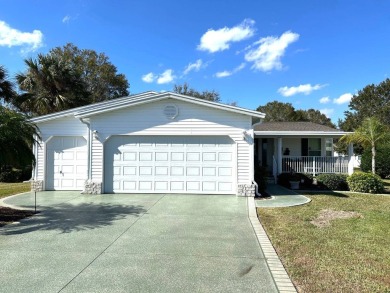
(329, 147)
(314, 147)
(311, 147)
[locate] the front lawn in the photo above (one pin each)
(336, 243)
(7, 189)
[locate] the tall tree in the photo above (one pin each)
(283, 112)
(7, 92)
(371, 134)
(97, 72)
(68, 77)
(205, 95)
(50, 85)
(371, 101)
(277, 112)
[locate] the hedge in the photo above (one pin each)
(365, 182)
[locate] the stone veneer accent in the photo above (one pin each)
(37, 185)
(91, 187)
(246, 190)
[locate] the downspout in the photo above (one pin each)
(89, 142)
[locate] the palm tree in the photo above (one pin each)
(50, 85)
(6, 87)
(370, 134)
(17, 134)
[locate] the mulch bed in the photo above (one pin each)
(8, 215)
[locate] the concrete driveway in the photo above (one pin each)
(132, 243)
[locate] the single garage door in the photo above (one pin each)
(173, 164)
(66, 159)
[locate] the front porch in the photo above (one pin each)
(299, 147)
(315, 165)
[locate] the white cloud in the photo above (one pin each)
(193, 67)
(267, 55)
(219, 40)
(324, 100)
(166, 77)
(11, 37)
(226, 73)
(327, 112)
(149, 78)
(66, 19)
(305, 89)
(345, 98)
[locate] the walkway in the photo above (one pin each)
(281, 197)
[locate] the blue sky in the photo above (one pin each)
(313, 54)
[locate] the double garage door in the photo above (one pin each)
(173, 164)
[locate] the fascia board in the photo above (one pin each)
(302, 133)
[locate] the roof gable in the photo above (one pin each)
(148, 97)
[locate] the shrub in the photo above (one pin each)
(333, 181)
(382, 161)
(11, 176)
(305, 180)
(365, 182)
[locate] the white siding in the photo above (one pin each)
(193, 119)
(97, 161)
(67, 126)
(40, 161)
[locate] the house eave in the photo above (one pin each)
(301, 133)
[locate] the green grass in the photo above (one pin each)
(7, 189)
(351, 255)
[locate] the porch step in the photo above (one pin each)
(271, 180)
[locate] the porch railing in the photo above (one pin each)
(315, 165)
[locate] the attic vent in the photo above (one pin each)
(171, 111)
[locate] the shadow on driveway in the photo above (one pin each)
(66, 218)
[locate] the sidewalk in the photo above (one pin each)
(281, 197)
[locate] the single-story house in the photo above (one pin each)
(163, 143)
(149, 142)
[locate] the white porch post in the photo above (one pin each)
(280, 155)
(350, 160)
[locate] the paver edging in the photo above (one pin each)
(278, 271)
(6, 205)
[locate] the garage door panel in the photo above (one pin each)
(209, 157)
(161, 185)
(161, 171)
(127, 156)
(129, 170)
(145, 156)
(146, 185)
(193, 186)
(162, 157)
(169, 164)
(177, 185)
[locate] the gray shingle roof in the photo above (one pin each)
(294, 126)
